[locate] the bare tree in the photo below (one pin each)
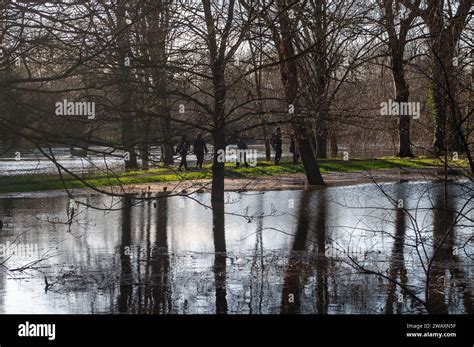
(445, 21)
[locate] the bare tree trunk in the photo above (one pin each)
(257, 60)
(157, 29)
(289, 76)
(218, 166)
(218, 59)
(441, 109)
(321, 79)
(402, 96)
(403, 120)
(123, 50)
(321, 147)
(397, 43)
(334, 148)
(167, 146)
(445, 33)
(145, 155)
(310, 165)
(268, 151)
(128, 139)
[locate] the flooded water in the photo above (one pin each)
(99, 159)
(30, 162)
(264, 252)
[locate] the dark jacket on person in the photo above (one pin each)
(199, 146)
(277, 142)
(241, 144)
(183, 148)
(294, 146)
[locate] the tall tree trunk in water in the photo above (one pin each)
(310, 165)
(289, 77)
(218, 165)
(125, 113)
(219, 133)
(217, 56)
(218, 168)
(219, 257)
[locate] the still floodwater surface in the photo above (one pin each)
(297, 254)
(99, 159)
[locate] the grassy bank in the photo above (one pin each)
(51, 182)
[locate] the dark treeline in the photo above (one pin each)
(134, 75)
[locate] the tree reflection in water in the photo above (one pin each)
(397, 270)
(307, 255)
(126, 276)
(446, 275)
(154, 257)
(220, 256)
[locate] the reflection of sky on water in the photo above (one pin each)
(33, 162)
(123, 261)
